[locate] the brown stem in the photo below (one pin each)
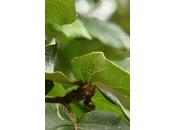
(82, 93)
(54, 99)
(73, 118)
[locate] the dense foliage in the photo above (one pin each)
(87, 80)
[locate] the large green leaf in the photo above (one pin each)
(95, 68)
(60, 11)
(58, 118)
(98, 120)
(108, 33)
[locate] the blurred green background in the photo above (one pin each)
(102, 25)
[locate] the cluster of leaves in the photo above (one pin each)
(85, 51)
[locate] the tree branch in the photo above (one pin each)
(82, 93)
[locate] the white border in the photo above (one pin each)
(152, 65)
(22, 65)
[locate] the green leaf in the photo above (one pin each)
(119, 96)
(80, 47)
(58, 77)
(85, 66)
(108, 33)
(104, 104)
(98, 120)
(95, 68)
(57, 118)
(57, 90)
(60, 11)
(73, 30)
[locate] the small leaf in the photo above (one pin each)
(60, 11)
(58, 77)
(73, 30)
